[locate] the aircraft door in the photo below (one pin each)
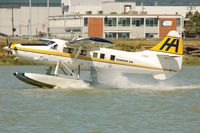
(111, 58)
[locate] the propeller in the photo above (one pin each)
(8, 45)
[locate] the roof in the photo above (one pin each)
(124, 0)
(18, 3)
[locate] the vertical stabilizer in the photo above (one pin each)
(171, 44)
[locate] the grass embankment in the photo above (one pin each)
(127, 45)
(6, 59)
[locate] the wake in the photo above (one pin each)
(145, 82)
(78, 86)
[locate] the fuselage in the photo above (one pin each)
(145, 62)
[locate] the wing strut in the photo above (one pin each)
(63, 67)
(78, 52)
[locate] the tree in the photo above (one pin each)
(192, 25)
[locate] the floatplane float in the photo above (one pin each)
(162, 61)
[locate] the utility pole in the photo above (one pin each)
(30, 21)
(13, 29)
(20, 29)
(47, 18)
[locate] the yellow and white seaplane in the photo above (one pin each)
(162, 61)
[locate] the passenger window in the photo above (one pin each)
(83, 52)
(95, 55)
(112, 57)
(102, 56)
(68, 50)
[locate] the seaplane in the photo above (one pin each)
(94, 54)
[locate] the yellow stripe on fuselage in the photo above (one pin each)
(87, 58)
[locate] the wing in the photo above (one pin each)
(90, 43)
(95, 39)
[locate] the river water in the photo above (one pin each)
(135, 104)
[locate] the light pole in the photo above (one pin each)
(13, 29)
(30, 21)
(47, 18)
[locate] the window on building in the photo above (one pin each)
(150, 35)
(151, 22)
(111, 35)
(127, 8)
(85, 21)
(102, 56)
(95, 55)
(123, 35)
(178, 22)
(74, 30)
(138, 22)
(110, 21)
(112, 57)
(124, 21)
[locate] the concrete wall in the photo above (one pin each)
(21, 18)
(116, 7)
(107, 6)
(168, 9)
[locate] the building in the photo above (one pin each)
(83, 18)
(15, 16)
(98, 6)
(114, 19)
(182, 10)
(115, 26)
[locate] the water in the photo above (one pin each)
(139, 104)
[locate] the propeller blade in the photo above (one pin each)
(7, 42)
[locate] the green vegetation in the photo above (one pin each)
(10, 60)
(192, 26)
(191, 60)
(127, 45)
(6, 59)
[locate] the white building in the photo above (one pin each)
(99, 6)
(15, 14)
(183, 10)
(121, 6)
(116, 19)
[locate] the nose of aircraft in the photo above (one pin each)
(7, 48)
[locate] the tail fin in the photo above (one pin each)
(171, 44)
(169, 53)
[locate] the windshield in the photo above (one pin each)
(50, 42)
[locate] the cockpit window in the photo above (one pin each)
(50, 42)
(54, 47)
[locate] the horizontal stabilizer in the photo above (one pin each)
(167, 56)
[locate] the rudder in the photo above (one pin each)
(171, 44)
